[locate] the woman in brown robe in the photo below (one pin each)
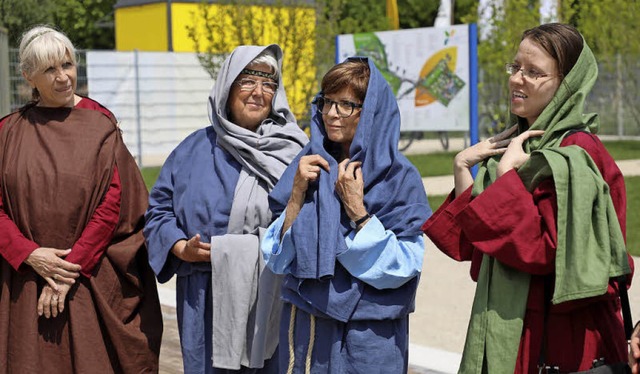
(76, 292)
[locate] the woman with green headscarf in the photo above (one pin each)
(543, 223)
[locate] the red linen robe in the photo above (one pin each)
(518, 228)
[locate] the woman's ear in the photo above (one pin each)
(28, 79)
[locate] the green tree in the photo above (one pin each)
(616, 45)
(88, 23)
(502, 37)
(17, 16)
(217, 30)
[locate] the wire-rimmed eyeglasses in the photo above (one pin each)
(248, 84)
(513, 68)
(344, 108)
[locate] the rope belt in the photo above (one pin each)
(312, 336)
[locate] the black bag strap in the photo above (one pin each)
(626, 308)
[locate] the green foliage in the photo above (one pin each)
(361, 16)
(88, 23)
(616, 45)
(217, 30)
(417, 13)
(17, 16)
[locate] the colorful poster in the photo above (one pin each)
(427, 69)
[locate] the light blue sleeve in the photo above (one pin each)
(277, 254)
(378, 258)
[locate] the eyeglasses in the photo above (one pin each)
(247, 84)
(512, 68)
(344, 108)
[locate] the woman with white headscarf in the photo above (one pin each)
(208, 208)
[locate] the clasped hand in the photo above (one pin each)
(349, 185)
(511, 148)
(59, 275)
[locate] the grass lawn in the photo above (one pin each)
(623, 149)
(150, 175)
(440, 163)
(633, 214)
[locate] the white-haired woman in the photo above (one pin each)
(76, 292)
(208, 208)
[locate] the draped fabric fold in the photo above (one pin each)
(320, 228)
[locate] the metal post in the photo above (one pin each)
(619, 96)
(169, 27)
(138, 119)
(473, 88)
(5, 88)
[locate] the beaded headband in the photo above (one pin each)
(37, 35)
(259, 73)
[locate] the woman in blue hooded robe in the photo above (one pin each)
(207, 211)
(348, 234)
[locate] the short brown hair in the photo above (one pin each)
(563, 42)
(353, 74)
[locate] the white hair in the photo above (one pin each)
(43, 46)
(266, 57)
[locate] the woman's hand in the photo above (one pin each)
(634, 350)
(350, 188)
(48, 263)
(192, 250)
(515, 155)
(308, 171)
(50, 302)
(495, 145)
(469, 157)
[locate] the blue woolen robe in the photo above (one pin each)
(203, 210)
(215, 184)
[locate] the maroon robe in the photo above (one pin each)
(88, 249)
(518, 228)
(59, 167)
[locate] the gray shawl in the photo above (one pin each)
(246, 305)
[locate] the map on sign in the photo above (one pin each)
(427, 69)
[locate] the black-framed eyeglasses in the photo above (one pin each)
(344, 108)
(513, 68)
(248, 84)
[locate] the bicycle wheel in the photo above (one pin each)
(444, 139)
(406, 139)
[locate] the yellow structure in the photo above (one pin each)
(220, 26)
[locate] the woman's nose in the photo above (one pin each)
(61, 75)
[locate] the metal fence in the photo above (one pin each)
(5, 103)
(156, 116)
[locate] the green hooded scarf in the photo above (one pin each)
(590, 244)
